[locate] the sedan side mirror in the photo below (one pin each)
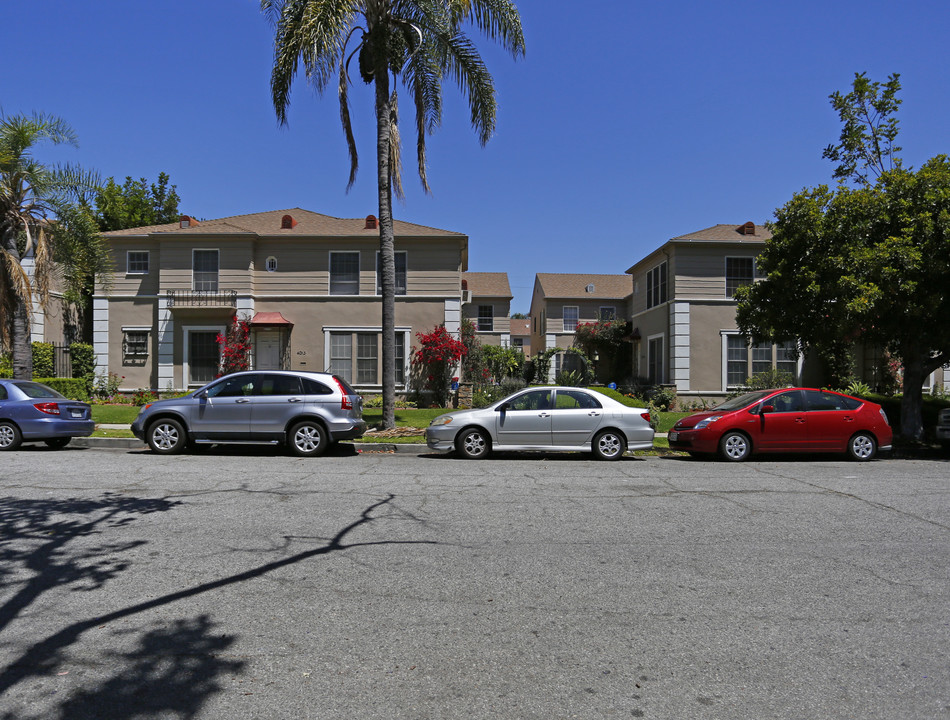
(502, 407)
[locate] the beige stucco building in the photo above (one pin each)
(307, 283)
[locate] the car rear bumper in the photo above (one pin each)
(43, 429)
(341, 431)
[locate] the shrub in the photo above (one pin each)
(435, 361)
(43, 364)
(107, 386)
(235, 346)
(143, 396)
(769, 379)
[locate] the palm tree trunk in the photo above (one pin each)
(386, 246)
(21, 349)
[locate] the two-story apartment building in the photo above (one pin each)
(308, 284)
(684, 312)
(487, 303)
(562, 301)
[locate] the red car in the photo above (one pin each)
(787, 420)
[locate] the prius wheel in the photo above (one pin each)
(10, 437)
(862, 447)
(308, 438)
(166, 437)
(609, 445)
(735, 447)
(57, 443)
(473, 443)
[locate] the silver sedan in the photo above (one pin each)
(545, 419)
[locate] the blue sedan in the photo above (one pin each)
(33, 412)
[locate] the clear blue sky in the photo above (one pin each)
(626, 124)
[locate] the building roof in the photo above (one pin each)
(746, 234)
(484, 284)
(303, 223)
(567, 285)
(520, 326)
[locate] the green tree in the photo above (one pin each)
(415, 41)
(867, 263)
(31, 194)
(136, 203)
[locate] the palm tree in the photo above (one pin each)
(30, 193)
(416, 41)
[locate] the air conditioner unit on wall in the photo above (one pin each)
(466, 297)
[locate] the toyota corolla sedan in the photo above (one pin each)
(545, 419)
(786, 420)
(306, 411)
(33, 412)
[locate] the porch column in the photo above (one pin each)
(166, 346)
(679, 345)
(100, 334)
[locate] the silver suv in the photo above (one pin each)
(304, 410)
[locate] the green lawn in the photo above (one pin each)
(115, 414)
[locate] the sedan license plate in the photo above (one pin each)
(76, 413)
(673, 436)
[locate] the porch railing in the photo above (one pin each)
(202, 298)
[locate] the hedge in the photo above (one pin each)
(73, 388)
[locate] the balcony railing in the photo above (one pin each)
(202, 298)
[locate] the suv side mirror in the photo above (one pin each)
(203, 395)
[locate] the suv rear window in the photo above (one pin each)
(345, 385)
(313, 387)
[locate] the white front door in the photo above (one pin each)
(267, 350)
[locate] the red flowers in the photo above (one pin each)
(235, 347)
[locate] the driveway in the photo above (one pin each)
(249, 584)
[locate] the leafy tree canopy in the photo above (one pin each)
(866, 263)
(135, 203)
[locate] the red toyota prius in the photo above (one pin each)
(786, 420)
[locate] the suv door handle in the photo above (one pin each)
(243, 400)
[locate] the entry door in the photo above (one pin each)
(267, 350)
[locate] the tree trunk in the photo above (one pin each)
(21, 349)
(386, 246)
(912, 404)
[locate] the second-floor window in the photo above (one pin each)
(608, 313)
(656, 286)
(204, 265)
(486, 318)
(570, 318)
(739, 271)
(401, 263)
(344, 273)
(137, 262)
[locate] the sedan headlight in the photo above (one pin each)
(706, 422)
(441, 420)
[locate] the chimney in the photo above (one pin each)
(371, 223)
(287, 222)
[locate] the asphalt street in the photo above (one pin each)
(250, 584)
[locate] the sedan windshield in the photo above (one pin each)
(36, 390)
(742, 401)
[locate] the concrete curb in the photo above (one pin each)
(100, 443)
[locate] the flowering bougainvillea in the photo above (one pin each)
(235, 346)
(435, 361)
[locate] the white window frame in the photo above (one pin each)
(217, 272)
(128, 262)
(490, 320)
(564, 321)
(358, 271)
(725, 272)
(404, 290)
(353, 331)
(611, 308)
(126, 331)
(270, 264)
(657, 285)
(186, 332)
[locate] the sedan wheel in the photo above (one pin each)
(10, 437)
(609, 445)
(735, 447)
(308, 438)
(166, 437)
(473, 444)
(862, 447)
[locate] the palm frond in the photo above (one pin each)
(344, 82)
(395, 148)
(463, 62)
(498, 20)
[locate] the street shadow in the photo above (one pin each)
(175, 668)
(530, 455)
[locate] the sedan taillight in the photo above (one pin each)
(48, 408)
(645, 416)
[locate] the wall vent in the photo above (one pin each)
(287, 222)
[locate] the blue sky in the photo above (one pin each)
(626, 123)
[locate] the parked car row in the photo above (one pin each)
(307, 411)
